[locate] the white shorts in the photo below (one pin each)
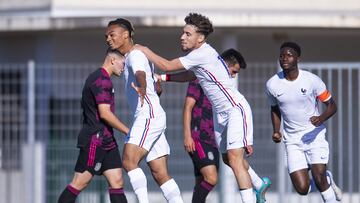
(300, 155)
(234, 128)
(148, 133)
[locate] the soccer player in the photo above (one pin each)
(146, 136)
(233, 112)
(199, 138)
(99, 153)
(294, 95)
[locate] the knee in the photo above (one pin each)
(321, 181)
(160, 176)
(116, 181)
(211, 179)
(128, 165)
(302, 189)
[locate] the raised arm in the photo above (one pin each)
(184, 76)
(111, 119)
(162, 63)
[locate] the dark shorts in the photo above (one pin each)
(97, 160)
(204, 155)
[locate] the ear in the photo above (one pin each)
(201, 38)
(112, 60)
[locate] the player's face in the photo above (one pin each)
(288, 58)
(118, 63)
(234, 69)
(190, 39)
(115, 36)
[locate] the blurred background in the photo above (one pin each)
(48, 47)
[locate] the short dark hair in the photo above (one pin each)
(203, 24)
(292, 45)
(113, 51)
(124, 23)
(233, 56)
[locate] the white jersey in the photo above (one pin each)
(213, 76)
(137, 61)
(297, 101)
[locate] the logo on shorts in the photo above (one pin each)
(210, 155)
(97, 166)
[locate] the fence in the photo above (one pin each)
(40, 118)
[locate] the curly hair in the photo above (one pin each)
(202, 23)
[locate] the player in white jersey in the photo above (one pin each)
(293, 95)
(146, 136)
(232, 111)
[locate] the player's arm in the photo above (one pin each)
(141, 85)
(276, 123)
(110, 118)
(330, 110)
(183, 76)
(188, 107)
(162, 63)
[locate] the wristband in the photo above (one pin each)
(165, 77)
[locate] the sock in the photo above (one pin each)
(328, 196)
(255, 179)
(69, 195)
(139, 184)
(247, 195)
(201, 191)
(171, 192)
(117, 195)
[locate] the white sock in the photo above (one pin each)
(247, 195)
(255, 179)
(139, 184)
(171, 191)
(328, 196)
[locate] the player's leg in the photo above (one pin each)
(157, 161)
(317, 153)
(84, 171)
(298, 167)
(206, 164)
(132, 155)
(137, 145)
(260, 185)
(112, 171)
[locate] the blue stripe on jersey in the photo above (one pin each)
(151, 111)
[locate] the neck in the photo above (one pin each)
(126, 48)
(107, 69)
(292, 73)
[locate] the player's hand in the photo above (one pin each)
(277, 137)
(316, 120)
(189, 144)
(249, 150)
(157, 78)
(141, 92)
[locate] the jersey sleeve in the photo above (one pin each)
(138, 61)
(192, 59)
(102, 90)
(320, 90)
(194, 90)
(270, 96)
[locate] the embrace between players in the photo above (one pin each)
(216, 119)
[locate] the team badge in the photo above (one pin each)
(97, 166)
(303, 91)
(210, 156)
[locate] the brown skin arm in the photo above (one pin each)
(110, 118)
(141, 82)
(162, 63)
(189, 143)
(276, 122)
(331, 109)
